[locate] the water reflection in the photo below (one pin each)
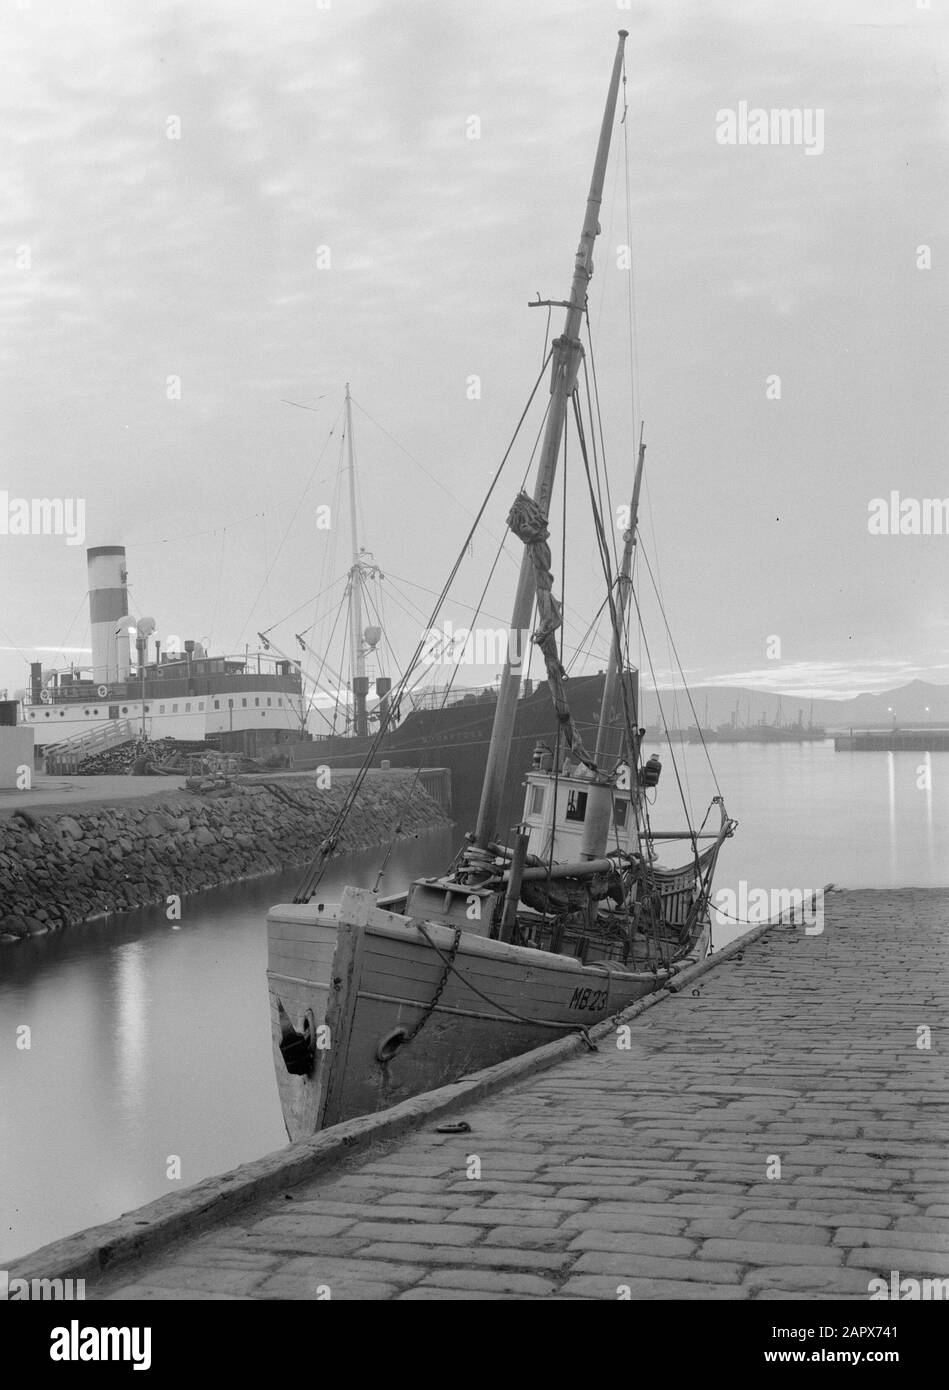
(147, 1041)
(130, 1034)
(926, 774)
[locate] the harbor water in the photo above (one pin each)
(149, 1065)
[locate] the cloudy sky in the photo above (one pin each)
(178, 175)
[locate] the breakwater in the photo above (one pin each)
(62, 867)
(893, 741)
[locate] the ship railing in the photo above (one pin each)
(437, 699)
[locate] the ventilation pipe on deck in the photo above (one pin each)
(383, 686)
(360, 691)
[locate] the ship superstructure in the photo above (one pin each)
(181, 693)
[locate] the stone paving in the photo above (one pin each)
(780, 1135)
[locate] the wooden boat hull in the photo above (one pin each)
(356, 974)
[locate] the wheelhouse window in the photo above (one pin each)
(620, 809)
(576, 806)
(537, 799)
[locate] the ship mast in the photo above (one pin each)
(360, 682)
(565, 363)
(600, 796)
(620, 609)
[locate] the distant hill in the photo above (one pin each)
(907, 702)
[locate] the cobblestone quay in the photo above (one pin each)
(779, 1134)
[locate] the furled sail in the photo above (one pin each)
(529, 524)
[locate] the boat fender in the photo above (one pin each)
(388, 1046)
(651, 772)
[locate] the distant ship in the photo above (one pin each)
(254, 698)
(457, 736)
(762, 732)
(768, 733)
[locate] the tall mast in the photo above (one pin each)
(565, 363)
(596, 824)
(360, 683)
(620, 608)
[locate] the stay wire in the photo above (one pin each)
(289, 527)
(315, 872)
(685, 684)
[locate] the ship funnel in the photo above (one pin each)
(108, 610)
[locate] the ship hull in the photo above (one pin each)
(353, 975)
(457, 737)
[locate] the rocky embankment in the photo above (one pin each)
(58, 869)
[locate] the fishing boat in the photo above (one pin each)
(534, 931)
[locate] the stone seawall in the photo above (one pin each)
(58, 869)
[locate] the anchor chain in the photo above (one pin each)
(400, 1037)
(431, 1006)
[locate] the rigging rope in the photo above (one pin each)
(315, 872)
(662, 715)
(682, 674)
(615, 627)
(286, 533)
